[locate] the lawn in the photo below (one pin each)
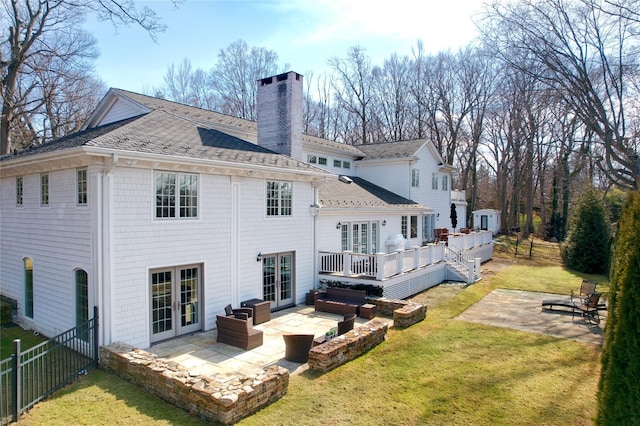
(440, 371)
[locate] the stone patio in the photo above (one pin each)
(522, 310)
(202, 355)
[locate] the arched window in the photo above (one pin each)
(28, 287)
(82, 303)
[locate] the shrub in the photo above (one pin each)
(587, 246)
(619, 387)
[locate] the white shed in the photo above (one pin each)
(487, 219)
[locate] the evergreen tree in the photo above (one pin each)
(587, 246)
(619, 387)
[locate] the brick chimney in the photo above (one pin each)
(280, 114)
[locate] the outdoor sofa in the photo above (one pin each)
(340, 301)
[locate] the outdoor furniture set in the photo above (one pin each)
(587, 302)
(340, 301)
(297, 346)
(235, 328)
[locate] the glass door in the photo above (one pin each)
(175, 302)
(277, 279)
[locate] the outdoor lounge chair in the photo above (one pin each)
(230, 312)
(346, 324)
(587, 288)
(297, 347)
(589, 308)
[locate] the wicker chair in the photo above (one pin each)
(297, 347)
(346, 324)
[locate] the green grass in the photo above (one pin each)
(439, 372)
(9, 334)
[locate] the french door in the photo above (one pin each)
(277, 279)
(175, 301)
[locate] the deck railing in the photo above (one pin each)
(381, 266)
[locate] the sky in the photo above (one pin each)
(304, 34)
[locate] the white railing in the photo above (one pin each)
(380, 265)
(463, 262)
(470, 240)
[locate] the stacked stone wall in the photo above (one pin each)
(404, 313)
(350, 345)
(220, 398)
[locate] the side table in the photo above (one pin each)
(261, 310)
(367, 311)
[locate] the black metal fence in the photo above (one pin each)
(30, 376)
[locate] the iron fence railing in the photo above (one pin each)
(30, 376)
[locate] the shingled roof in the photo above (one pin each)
(161, 132)
(391, 150)
(336, 193)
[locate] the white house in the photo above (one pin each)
(161, 214)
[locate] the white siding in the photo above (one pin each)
(141, 243)
(56, 237)
(120, 110)
(394, 177)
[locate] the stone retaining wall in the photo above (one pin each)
(350, 345)
(220, 398)
(404, 313)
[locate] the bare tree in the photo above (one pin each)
(588, 49)
(392, 98)
(234, 77)
(353, 91)
(35, 31)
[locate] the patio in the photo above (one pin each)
(202, 355)
(520, 310)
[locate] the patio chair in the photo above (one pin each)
(589, 308)
(230, 312)
(346, 324)
(587, 288)
(297, 347)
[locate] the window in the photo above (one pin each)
(414, 227)
(415, 178)
(28, 287)
(359, 237)
(445, 183)
(322, 161)
(81, 178)
(346, 164)
(337, 163)
(434, 181)
(409, 226)
(44, 189)
(312, 159)
(279, 198)
(403, 226)
(19, 190)
(82, 304)
(166, 201)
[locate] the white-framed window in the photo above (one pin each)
(279, 198)
(322, 161)
(19, 190)
(346, 164)
(415, 178)
(44, 189)
(176, 195)
(337, 163)
(409, 226)
(28, 287)
(81, 187)
(434, 181)
(312, 159)
(359, 237)
(445, 183)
